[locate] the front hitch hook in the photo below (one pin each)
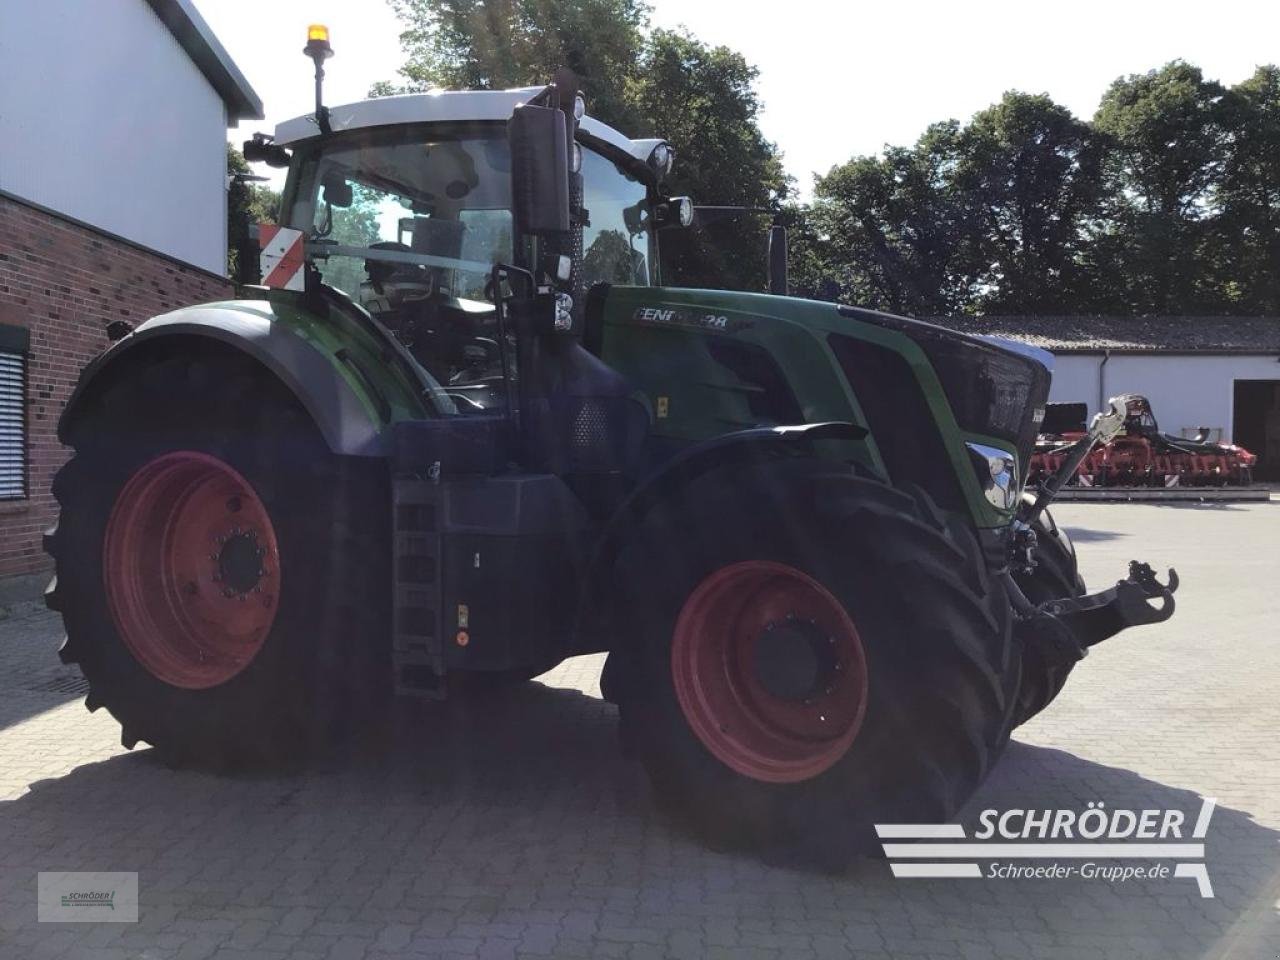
(1098, 616)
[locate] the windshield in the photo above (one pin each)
(413, 205)
(408, 206)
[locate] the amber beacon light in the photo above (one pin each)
(318, 42)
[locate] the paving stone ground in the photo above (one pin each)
(512, 827)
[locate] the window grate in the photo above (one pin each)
(13, 426)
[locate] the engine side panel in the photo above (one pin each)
(713, 362)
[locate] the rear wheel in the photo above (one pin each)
(219, 571)
(810, 653)
(1046, 665)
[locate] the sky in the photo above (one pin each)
(838, 78)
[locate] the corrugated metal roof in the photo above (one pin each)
(1093, 334)
(207, 53)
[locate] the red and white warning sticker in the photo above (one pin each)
(281, 261)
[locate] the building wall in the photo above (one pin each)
(64, 283)
(104, 117)
(1186, 392)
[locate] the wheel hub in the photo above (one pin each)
(769, 671)
(187, 534)
(794, 659)
(239, 564)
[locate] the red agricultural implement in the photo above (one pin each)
(1140, 455)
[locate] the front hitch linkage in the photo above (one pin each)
(1104, 428)
(1071, 625)
(1090, 619)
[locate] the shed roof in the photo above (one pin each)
(208, 54)
(1095, 334)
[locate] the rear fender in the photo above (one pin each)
(345, 418)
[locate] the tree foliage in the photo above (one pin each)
(1166, 202)
(247, 203)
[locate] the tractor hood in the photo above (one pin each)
(996, 387)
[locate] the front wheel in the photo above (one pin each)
(1046, 666)
(811, 653)
(220, 573)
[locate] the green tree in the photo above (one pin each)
(248, 203)
(891, 231)
(1245, 237)
(1168, 141)
(497, 44)
(702, 100)
(1029, 174)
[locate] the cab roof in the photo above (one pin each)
(446, 106)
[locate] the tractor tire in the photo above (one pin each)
(809, 653)
(222, 576)
(1046, 665)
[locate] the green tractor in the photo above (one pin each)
(464, 431)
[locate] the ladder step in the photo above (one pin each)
(416, 651)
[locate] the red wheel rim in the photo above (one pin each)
(191, 569)
(734, 708)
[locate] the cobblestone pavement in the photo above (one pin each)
(512, 827)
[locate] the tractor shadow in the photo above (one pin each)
(515, 808)
(1089, 535)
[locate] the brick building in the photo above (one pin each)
(113, 197)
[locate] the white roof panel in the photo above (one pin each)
(444, 106)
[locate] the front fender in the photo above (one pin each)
(742, 447)
(348, 417)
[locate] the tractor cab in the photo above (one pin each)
(408, 204)
(407, 208)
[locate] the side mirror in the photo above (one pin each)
(539, 169)
(261, 150)
(337, 190)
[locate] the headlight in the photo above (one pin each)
(673, 212)
(994, 468)
(661, 159)
(686, 211)
(575, 159)
(579, 107)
